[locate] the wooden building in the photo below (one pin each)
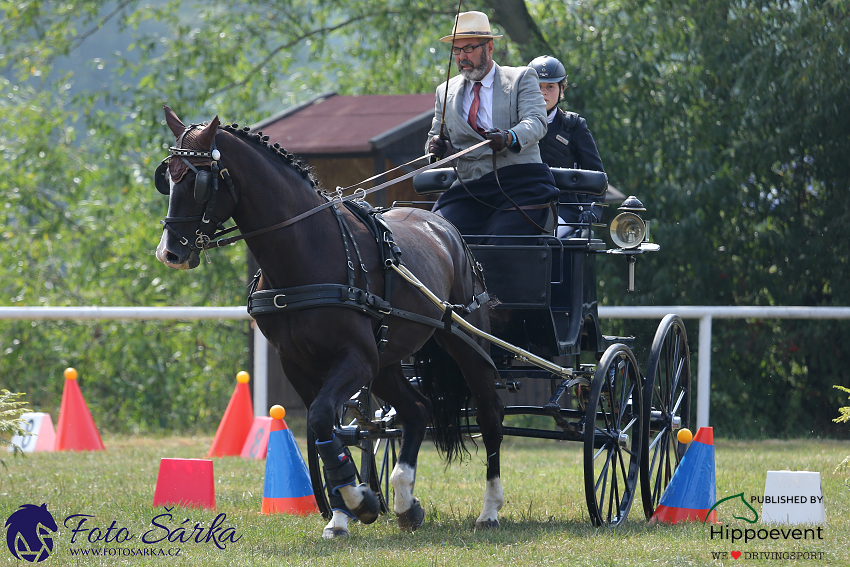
(348, 139)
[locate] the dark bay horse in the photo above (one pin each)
(327, 352)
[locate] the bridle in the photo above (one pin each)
(205, 191)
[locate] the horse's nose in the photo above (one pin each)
(172, 258)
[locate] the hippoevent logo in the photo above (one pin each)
(747, 504)
(29, 533)
(737, 535)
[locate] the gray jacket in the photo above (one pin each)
(517, 105)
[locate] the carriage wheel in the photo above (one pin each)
(363, 454)
(667, 399)
(612, 437)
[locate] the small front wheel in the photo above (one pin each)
(363, 453)
(613, 437)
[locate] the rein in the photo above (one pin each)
(359, 194)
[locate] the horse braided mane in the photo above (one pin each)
(290, 159)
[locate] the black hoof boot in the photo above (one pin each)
(369, 508)
(409, 521)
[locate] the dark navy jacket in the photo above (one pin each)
(569, 143)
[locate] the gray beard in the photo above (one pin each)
(476, 73)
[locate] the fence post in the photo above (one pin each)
(704, 371)
(261, 373)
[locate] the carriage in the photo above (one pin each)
(371, 366)
(626, 420)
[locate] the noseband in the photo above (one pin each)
(206, 191)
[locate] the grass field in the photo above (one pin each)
(544, 521)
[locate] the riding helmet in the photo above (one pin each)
(549, 69)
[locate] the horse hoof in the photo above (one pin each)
(332, 533)
(486, 524)
(369, 508)
(412, 519)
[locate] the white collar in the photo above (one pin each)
(552, 115)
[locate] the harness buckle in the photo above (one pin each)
(274, 301)
(381, 337)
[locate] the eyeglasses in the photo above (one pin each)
(468, 48)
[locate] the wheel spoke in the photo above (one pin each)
(614, 495)
(603, 478)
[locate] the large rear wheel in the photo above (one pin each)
(667, 402)
(612, 437)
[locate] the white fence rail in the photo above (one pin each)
(260, 375)
(705, 316)
(261, 365)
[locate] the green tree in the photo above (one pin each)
(728, 119)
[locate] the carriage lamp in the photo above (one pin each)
(631, 233)
(627, 229)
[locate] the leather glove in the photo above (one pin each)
(439, 147)
(499, 139)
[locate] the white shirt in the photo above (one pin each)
(485, 105)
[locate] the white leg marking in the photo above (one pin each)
(494, 499)
(353, 495)
(338, 526)
(402, 481)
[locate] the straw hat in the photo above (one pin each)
(471, 25)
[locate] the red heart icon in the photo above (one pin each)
(735, 554)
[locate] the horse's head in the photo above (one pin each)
(192, 177)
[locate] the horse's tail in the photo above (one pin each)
(442, 382)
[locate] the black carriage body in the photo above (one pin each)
(545, 302)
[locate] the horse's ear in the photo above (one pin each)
(177, 127)
(208, 133)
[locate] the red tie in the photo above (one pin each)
(473, 110)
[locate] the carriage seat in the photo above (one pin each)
(582, 181)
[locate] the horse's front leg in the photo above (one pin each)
(346, 497)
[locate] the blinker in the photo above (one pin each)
(160, 178)
(203, 186)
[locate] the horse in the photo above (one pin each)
(302, 240)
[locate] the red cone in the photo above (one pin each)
(185, 482)
(76, 430)
(236, 423)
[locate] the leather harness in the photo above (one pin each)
(362, 300)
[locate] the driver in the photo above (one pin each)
(502, 105)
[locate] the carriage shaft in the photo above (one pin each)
(465, 325)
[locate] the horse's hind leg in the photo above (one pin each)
(412, 409)
(481, 379)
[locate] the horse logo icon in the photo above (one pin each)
(29, 533)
